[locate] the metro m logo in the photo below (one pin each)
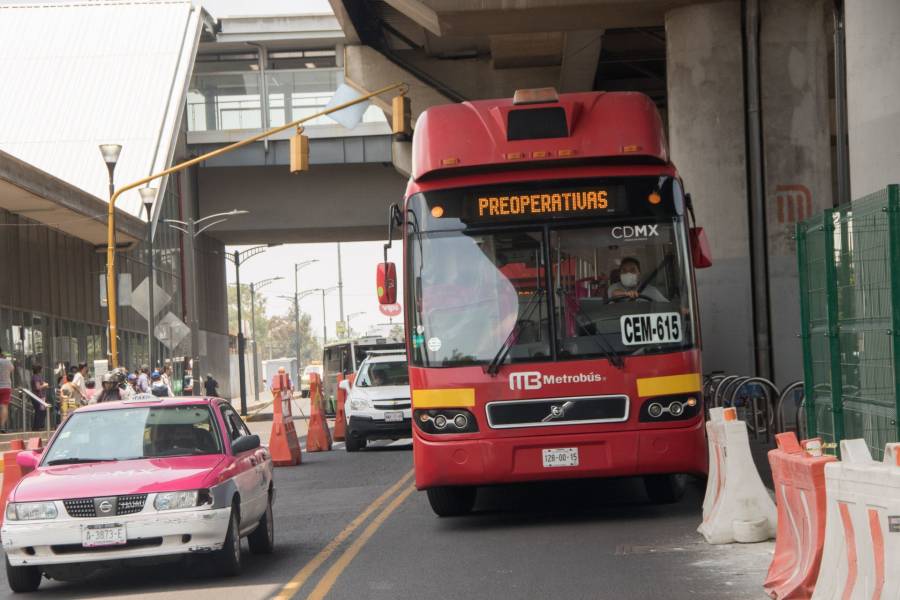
(525, 380)
(794, 203)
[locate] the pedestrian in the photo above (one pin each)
(212, 386)
(39, 388)
(130, 386)
(110, 385)
(166, 377)
(68, 396)
(6, 382)
(79, 379)
(143, 382)
(157, 387)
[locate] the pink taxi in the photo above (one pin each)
(146, 478)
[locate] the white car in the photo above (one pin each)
(378, 404)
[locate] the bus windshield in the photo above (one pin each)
(557, 289)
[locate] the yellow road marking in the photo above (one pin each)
(297, 581)
(331, 575)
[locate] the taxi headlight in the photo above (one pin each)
(31, 511)
(175, 500)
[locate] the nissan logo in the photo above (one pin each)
(105, 506)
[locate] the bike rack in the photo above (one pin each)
(771, 391)
(779, 407)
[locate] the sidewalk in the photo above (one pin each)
(262, 410)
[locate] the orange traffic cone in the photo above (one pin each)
(318, 438)
(284, 445)
(340, 422)
(12, 473)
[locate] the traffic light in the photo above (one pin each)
(299, 153)
(401, 118)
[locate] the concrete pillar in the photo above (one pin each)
(873, 87)
(706, 139)
(794, 42)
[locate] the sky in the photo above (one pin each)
(359, 261)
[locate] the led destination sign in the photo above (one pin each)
(584, 202)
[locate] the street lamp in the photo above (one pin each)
(191, 229)
(238, 258)
(253, 289)
(324, 319)
(297, 267)
(110, 153)
(350, 316)
(148, 196)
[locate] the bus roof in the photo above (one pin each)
(577, 128)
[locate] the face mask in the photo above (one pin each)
(629, 280)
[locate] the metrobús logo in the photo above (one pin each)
(535, 380)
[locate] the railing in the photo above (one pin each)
(234, 99)
(21, 412)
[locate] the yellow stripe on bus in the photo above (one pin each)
(446, 398)
(671, 384)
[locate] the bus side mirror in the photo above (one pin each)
(386, 282)
(700, 253)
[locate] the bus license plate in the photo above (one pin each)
(653, 328)
(560, 457)
(394, 416)
(103, 535)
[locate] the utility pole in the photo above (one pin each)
(242, 375)
(340, 284)
(254, 287)
(297, 267)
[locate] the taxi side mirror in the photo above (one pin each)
(386, 283)
(245, 443)
(701, 255)
(28, 459)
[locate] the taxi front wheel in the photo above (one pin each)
(227, 561)
(23, 579)
(262, 540)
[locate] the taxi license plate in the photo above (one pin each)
(560, 457)
(103, 535)
(394, 416)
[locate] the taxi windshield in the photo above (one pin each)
(382, 373)
(133, 433)
(538, 289)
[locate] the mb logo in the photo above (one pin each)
(525, 380)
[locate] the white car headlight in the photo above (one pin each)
(31, 511)
(359, 404)
(175, 500)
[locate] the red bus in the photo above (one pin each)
(550, 303)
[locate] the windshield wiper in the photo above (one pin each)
(614, 358)
(76, 460)
(494, 365)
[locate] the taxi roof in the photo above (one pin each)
(150, 400)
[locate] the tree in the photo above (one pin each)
(280, 339)
(262, 323)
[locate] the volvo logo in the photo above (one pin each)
(106, 506)
(556, 411)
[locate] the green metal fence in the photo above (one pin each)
(849, 267)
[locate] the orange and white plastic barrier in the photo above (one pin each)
(12, 473)
(284, 445)
(737, 508)
(340, 417)
(318, 438)
(799, 478)
(862, 548)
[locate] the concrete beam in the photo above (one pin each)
(328, 203)
(420, 12)
(518, 50)
(340, 13)
(579, 61)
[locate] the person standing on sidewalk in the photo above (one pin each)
(79, 380)
(143, 382)
(38, 388)
(212, 386)
(6, 380)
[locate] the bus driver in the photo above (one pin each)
(627, 286)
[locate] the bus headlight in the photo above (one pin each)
(670, 408)
(448, 420)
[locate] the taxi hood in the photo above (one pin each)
(140, 476)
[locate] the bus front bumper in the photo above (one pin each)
(606, 454)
